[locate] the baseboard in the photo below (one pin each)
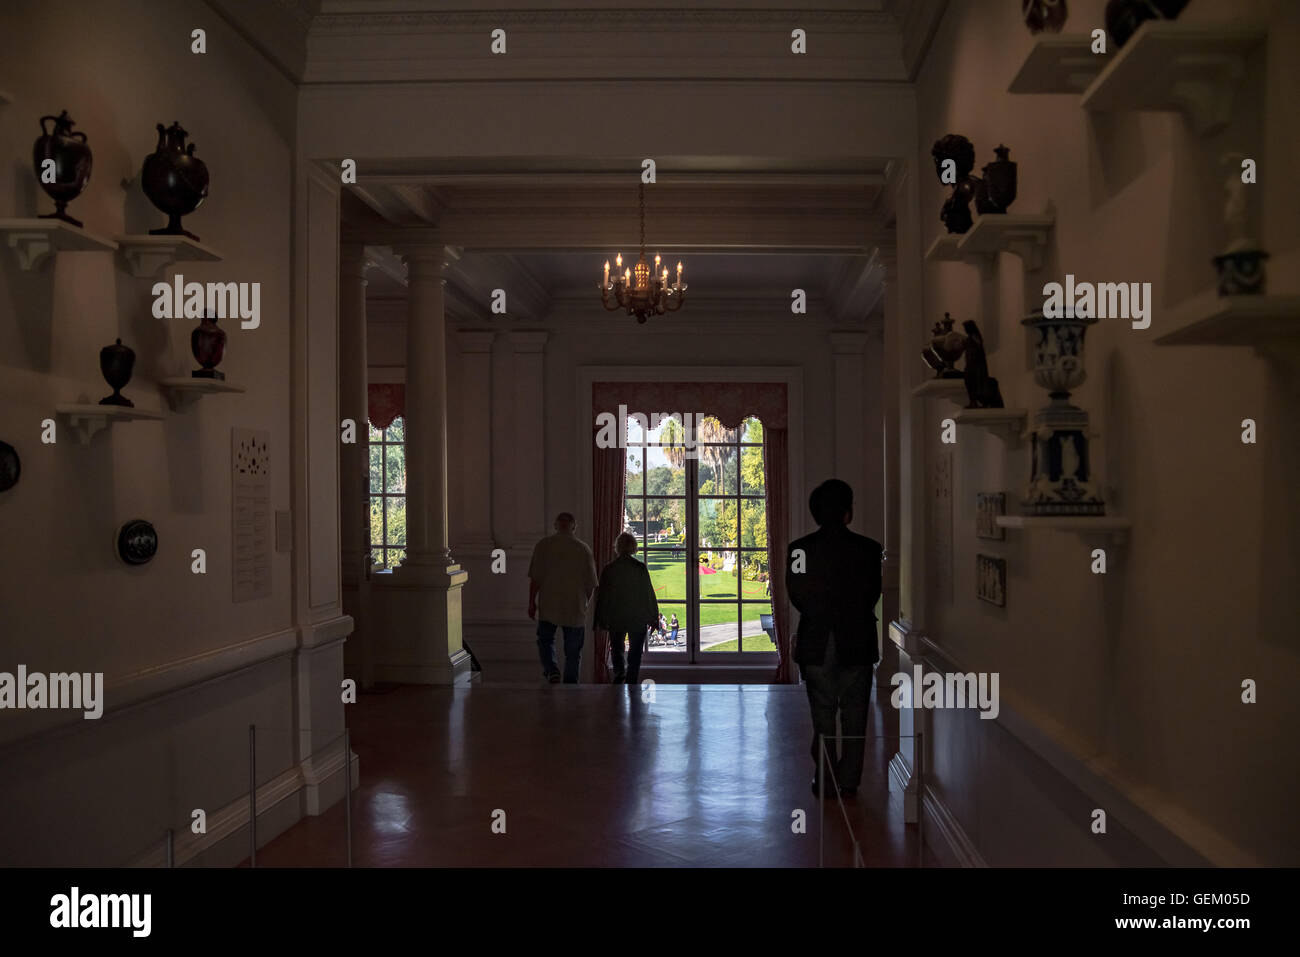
(954, 845)
(900, 776)
(320, 784)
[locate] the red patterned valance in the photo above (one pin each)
(730, 402)
(385, 402)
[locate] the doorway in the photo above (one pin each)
(698, 510)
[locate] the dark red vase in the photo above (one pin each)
(208, 343)
(174, 179)
(72, 161)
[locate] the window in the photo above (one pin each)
(388, 495)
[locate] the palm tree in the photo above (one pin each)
(672, 439)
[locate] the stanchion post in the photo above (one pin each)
(821, 801)
(347, 788)
(252, 795)
(920, 798)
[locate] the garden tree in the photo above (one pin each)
(388, 473)
(663, 480)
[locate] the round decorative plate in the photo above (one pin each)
(10, 466)
(137, 542)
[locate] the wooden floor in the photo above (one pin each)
(592, 775)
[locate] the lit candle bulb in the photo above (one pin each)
(656, 262)
(679, 274)
(627, 277)
(665, 275)
(618, 261)
(606, 282)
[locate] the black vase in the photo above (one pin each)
(72, 161)
(1123, 17)
(208, 343)
(174, 179)
(1000, 181)
(1046, 15)
(116, 362)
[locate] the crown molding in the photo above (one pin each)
(334, 20)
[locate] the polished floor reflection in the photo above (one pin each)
(592, 775)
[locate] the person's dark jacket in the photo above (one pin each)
(626, 599)
(836, 592)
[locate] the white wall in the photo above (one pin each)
(99, 792)
(1140, 669)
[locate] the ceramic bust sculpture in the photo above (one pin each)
(956, 214)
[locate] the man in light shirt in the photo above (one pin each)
(561, 578)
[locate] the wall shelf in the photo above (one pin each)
(1111, 527)
(1177, 67)
(1024, 234)
(182, 391)
(1262, 321)
(944, 249)
(147, 256)
(87, 419)
(1007, 424)
(34, 240)
(1063, 63)
(954, 389)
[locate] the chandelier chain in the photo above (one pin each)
(641, 202)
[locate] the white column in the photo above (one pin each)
(354, 464)
(530, 436)
(354, 459)
(473, 459)
(423, 641)
(426, 409)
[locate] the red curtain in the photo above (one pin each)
(776, 474)
(385, 401)
(608, 468)
(731, 403)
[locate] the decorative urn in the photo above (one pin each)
(946, 346)
(1000, 181)
(208, 343)
(116, 362)
(1060, 480)
(72, 161)
(174, 179)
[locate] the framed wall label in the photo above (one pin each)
(991, 580)
(988, 507)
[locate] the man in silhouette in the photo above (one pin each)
(625, 605)
(833, 578)
(561, 578)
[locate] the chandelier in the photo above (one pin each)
(638, 290)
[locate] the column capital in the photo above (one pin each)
(354, 261)
(474, 340)
(532, 340)
(427, 260)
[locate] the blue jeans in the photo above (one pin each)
(573, 639)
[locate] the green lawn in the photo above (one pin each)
(669, 579)
(752, 643)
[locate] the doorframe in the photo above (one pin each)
(790, 375)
